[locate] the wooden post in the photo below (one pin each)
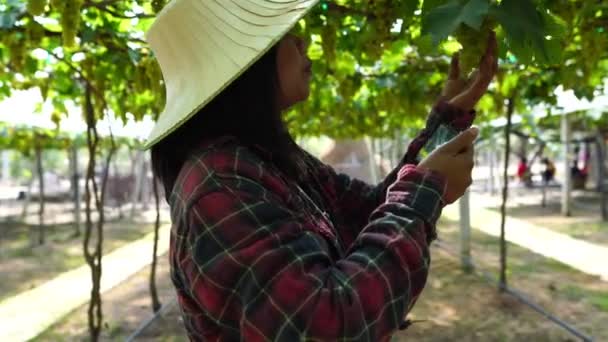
(492, 162)
(75, 182)
(465, 232)
(543, 202)
(567, 183)
(601, 170)
(40, 172)
(145, 185)
(139, 176)
(397, 149)
(372, 160)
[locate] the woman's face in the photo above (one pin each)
(294, 71)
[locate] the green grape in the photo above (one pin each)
(474, 44)
(35, 33)
(154, 75)
(139, 80)
(56, 118)
(57, 4)
(328, 42)
(70, 21)
(16, 48)
(384, 18)
(347, 88)
(36, 7)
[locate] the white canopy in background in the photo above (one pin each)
(567, 103)
(20, 110)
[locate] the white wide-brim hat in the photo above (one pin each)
(204, 45)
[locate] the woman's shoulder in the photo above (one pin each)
(226, 163)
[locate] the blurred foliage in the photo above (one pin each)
(25, 139)
(378, 64)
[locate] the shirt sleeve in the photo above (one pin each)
(255, 268)
(354, 200)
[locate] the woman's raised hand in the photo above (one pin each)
(465, 94)
(454, 161)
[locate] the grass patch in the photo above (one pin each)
(595, 298)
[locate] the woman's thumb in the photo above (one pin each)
(461, 141)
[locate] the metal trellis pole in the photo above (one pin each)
(505, 193)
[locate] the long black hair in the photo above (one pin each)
(247, 110)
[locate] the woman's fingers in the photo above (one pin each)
(455, 67)
(489, 62)
(479, 81)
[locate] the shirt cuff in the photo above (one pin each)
(453, 116)
(422, 190)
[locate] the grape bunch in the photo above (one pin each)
(474, 44)
(384, 14)
(328, 40)
(17, 50)
(36, 7)
(154, 75)
(147, 76)
(57, 4)
(35, 33)
(70, 19)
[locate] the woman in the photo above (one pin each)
(267, 242)
(548, 171)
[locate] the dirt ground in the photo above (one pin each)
(24, 267)
(455, 306)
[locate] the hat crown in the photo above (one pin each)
(204, 45)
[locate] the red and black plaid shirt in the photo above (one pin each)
(254, 257)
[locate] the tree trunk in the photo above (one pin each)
(505, 194)
(94, 258)
(153, 292)
(40, 172)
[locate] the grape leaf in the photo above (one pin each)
(526, 30)
(441, 21)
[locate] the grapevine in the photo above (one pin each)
(329, 41)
